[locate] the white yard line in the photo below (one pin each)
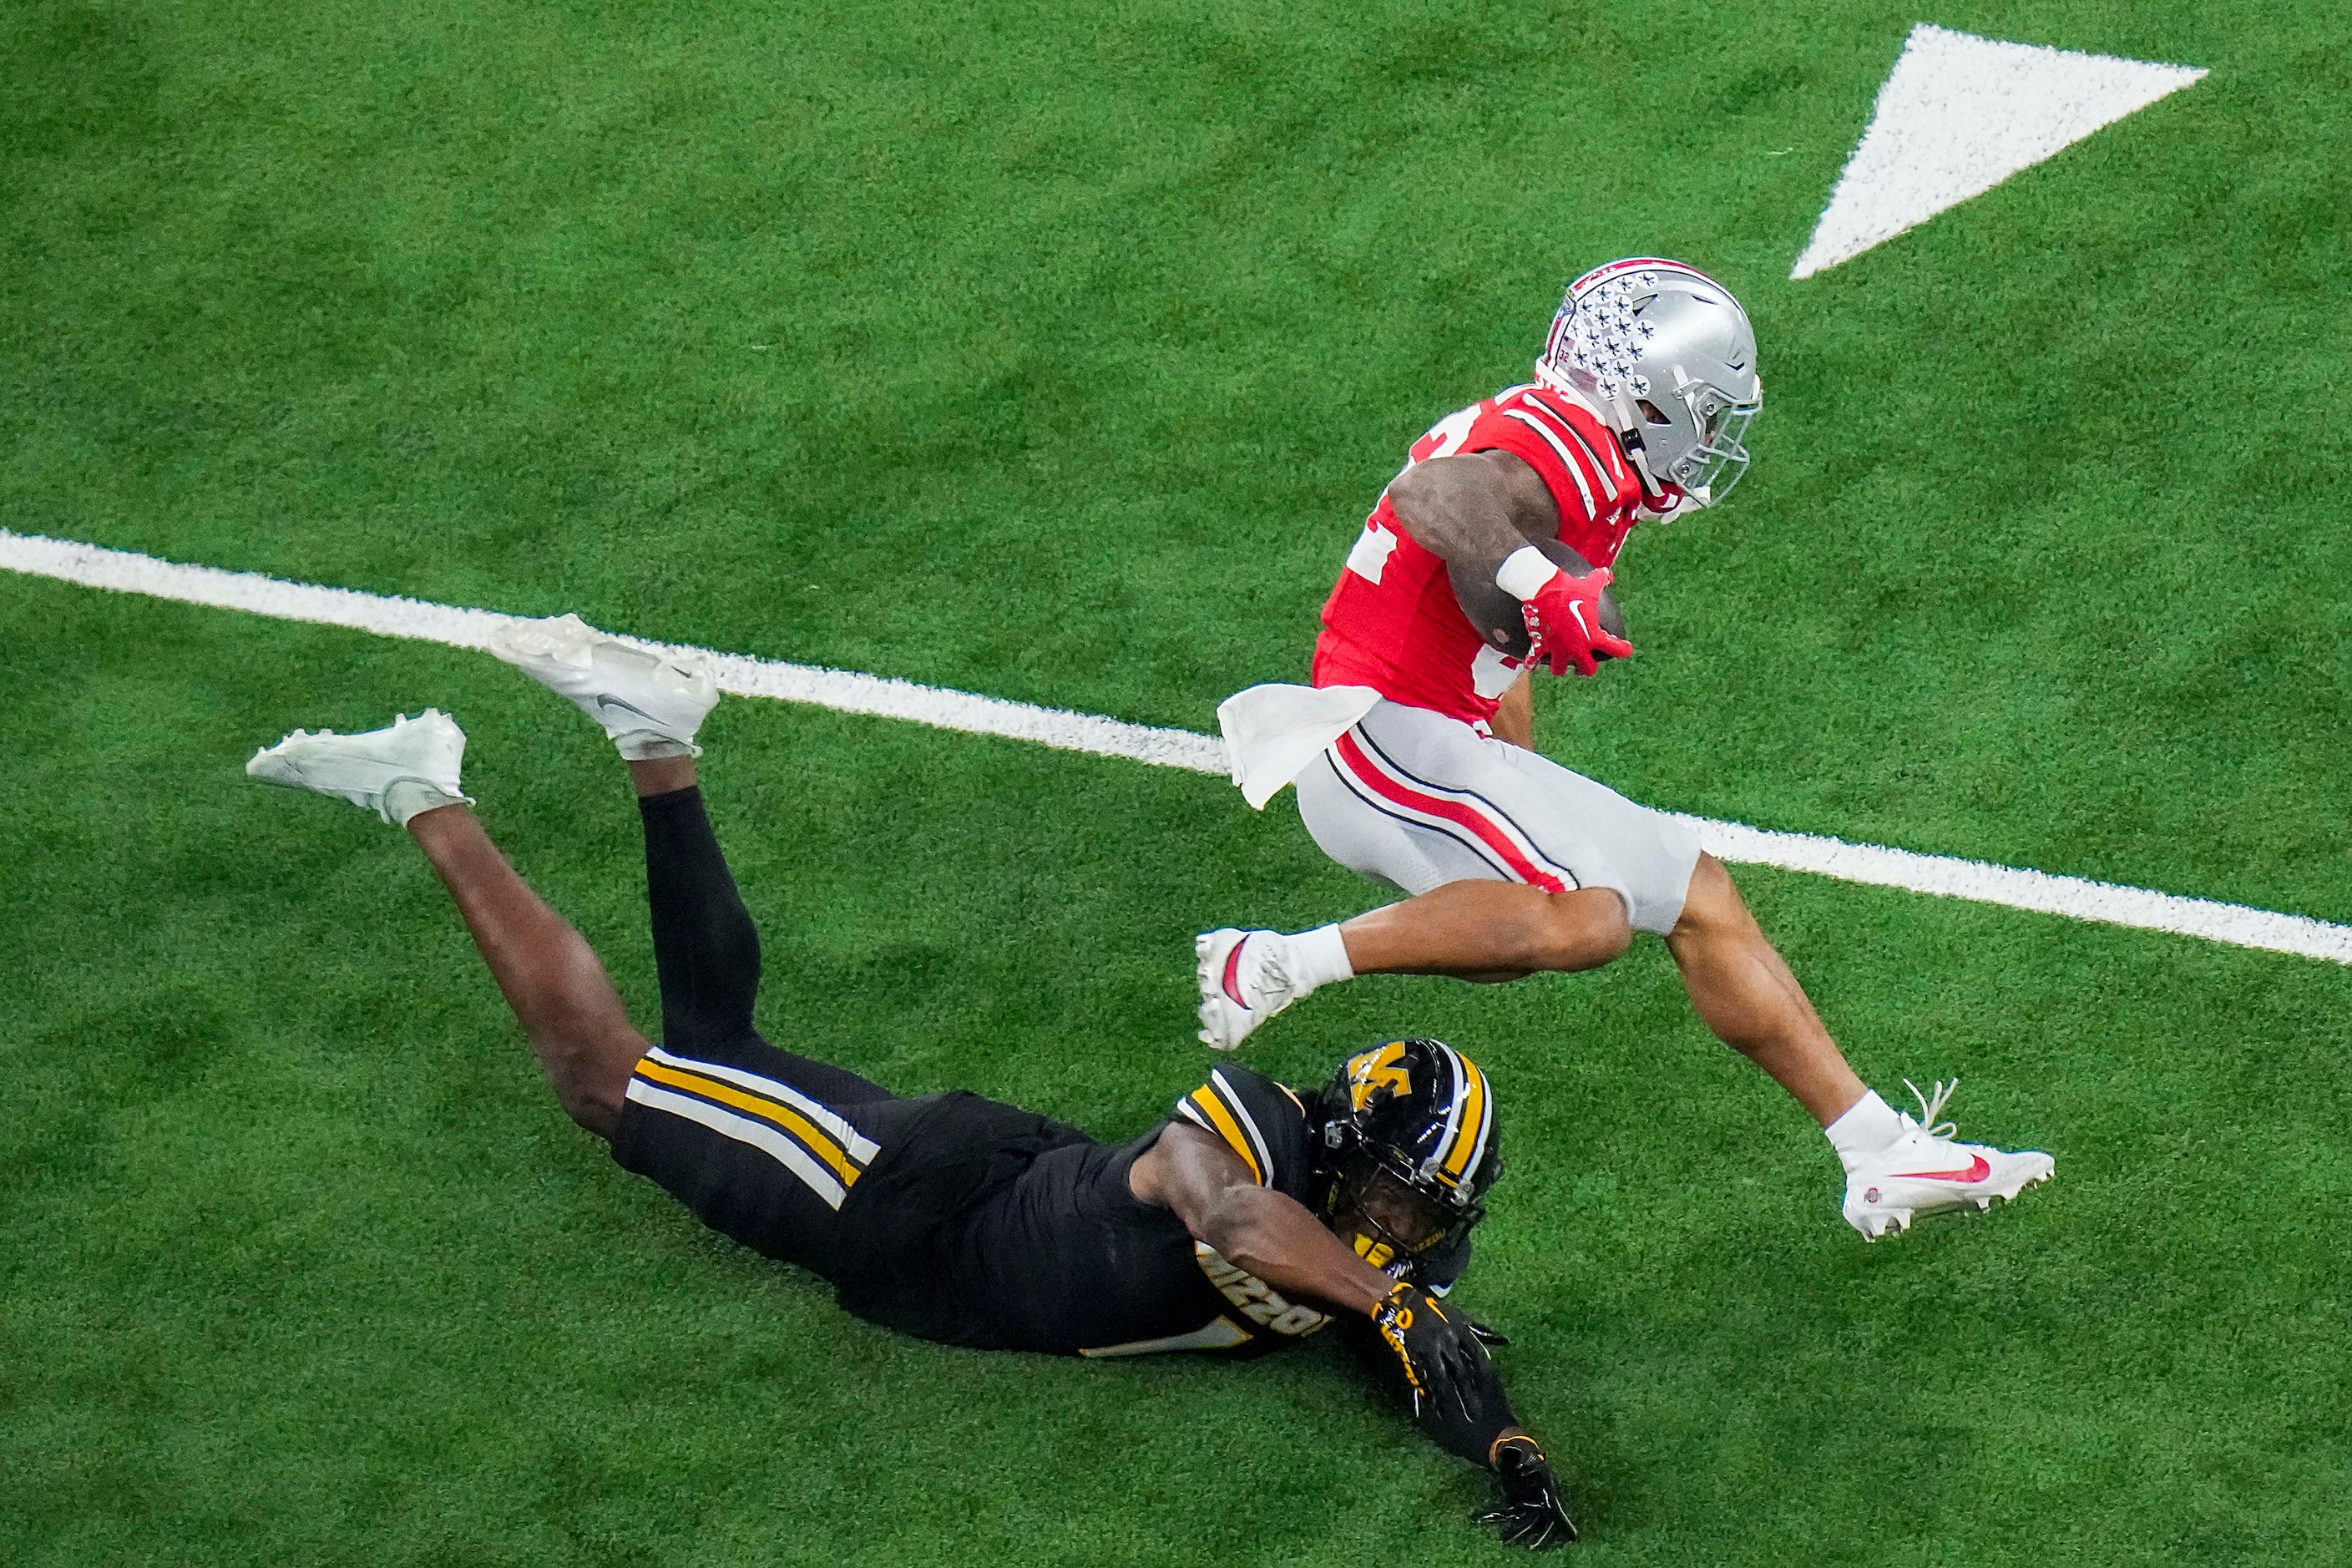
(849, 691)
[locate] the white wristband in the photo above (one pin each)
(1524, 572)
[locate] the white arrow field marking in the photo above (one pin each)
(1958, 115)
(848, 691)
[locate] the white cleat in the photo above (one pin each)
(396, 771)
(1242, 983)
(650, 702)
(1925, 1173)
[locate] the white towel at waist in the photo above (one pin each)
(1272, 732)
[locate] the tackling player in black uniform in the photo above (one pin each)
(1250, 1217)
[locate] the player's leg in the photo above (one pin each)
(1476, 830)
(706, 949)
(762, 1144)
(1489, 931)
(1543, 823)
(1745, 993)
(1897, 1168)
(651, 702)
(1505, 931)
(546, 970)
(1505, 855)
(408, 774)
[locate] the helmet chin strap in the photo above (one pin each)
(1629, 436)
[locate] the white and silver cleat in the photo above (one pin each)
(411, 765)
(1242, 983)
(650, 701)
(1925, 1172)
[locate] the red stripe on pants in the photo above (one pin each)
(1453, 811)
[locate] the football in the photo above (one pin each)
(1496, 615)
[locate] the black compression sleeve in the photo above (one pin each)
(705, 947)
(1470, 1437)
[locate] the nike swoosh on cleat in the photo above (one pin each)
(603, 702)
(1234, 972)
(1976, 1172)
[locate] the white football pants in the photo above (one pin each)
(1413, 798)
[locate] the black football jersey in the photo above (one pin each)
(978, 1224)
(1065, 1258)
(1061, 1257)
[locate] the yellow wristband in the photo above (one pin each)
(1494, 1450)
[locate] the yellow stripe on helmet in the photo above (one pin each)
(1470, 1133)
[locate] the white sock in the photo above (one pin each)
(1317, 957)
(1866, 1129)
(644, 746)
(404, 798)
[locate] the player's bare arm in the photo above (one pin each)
(1199, 1178)
(1193, 1173)
(1492, 518)
(1475, 510)
(1432, 1353)
(1514, 716)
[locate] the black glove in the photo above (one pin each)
(1442, 1360)
(1486, 1335)
(1530, 1509)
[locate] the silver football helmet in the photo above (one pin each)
(1667, 355)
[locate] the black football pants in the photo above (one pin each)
(762, 1144)
(706, 952)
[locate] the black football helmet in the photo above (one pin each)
(1408, 1145)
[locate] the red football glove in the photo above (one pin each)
(1564, 624)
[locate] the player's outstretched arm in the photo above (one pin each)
(1530, 1507)
(1425, 1351)
(1282, 1242)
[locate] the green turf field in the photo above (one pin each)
(1056, 354)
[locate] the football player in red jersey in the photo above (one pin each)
(1414, 750)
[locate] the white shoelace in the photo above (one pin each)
(1931, 1108)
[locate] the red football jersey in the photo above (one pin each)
(1392, 623)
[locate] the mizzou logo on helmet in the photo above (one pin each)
(1454, 1109)
(1382, 1066)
